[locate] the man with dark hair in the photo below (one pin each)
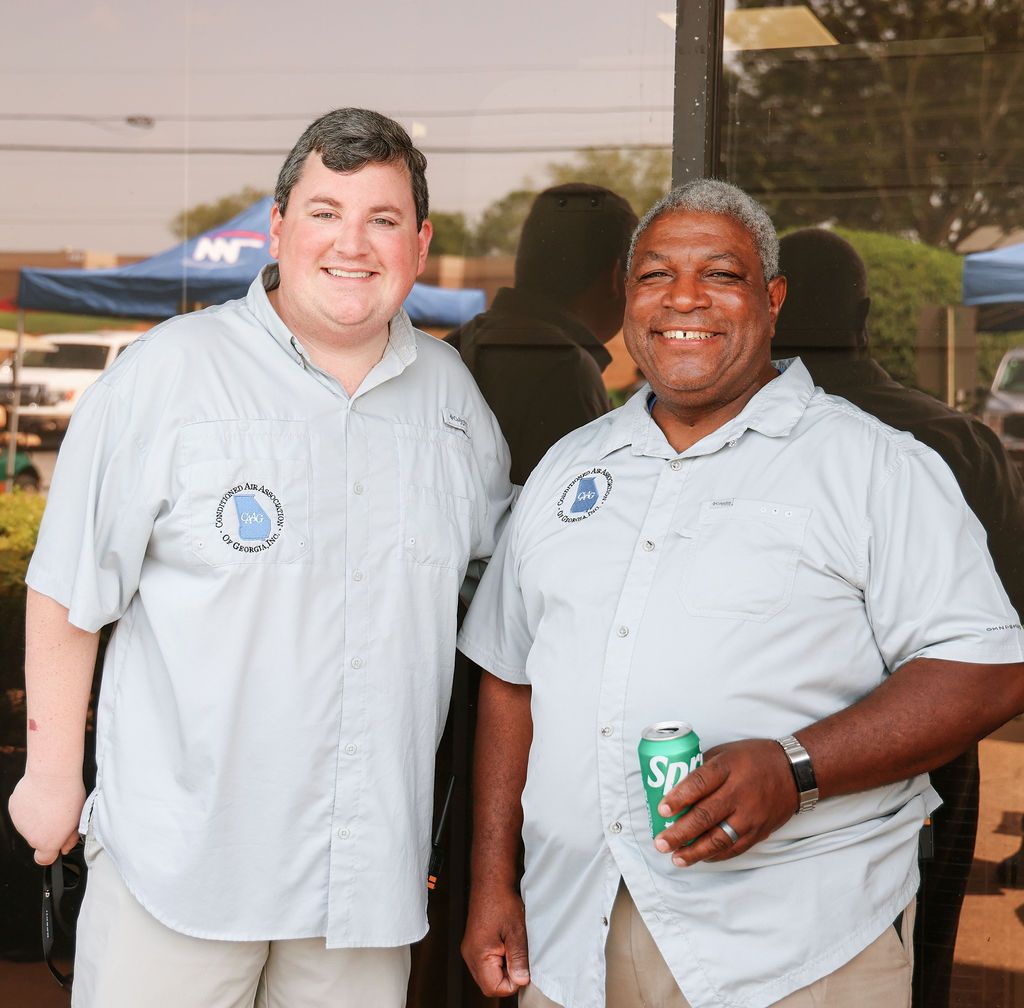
(277, 500)
(824, 321)
(801, 584)
(538, 352)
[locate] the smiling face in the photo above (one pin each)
(348, 251)
(699, 317)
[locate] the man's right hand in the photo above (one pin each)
(494, 945)
(45, 811)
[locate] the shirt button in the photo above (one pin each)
(606, 730)
(357, 663)
(648, 545)
(675, 464)
(604, 921)
(357, 488)
(623, 631)
(351, 748)
(344, 833)
(616, 827)
(357, 575)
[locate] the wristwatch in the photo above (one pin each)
(803, 773)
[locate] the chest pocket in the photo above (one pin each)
(247, 485)
(742, 559)
(436, 494)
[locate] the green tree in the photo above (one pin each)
(497, 231)
(203, 216)
(913, 124)
(640, 176)
(451, 233)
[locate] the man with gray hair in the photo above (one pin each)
(802, 585)
(276, 500)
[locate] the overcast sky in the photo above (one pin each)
(250, 75)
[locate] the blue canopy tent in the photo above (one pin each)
(218, 265)
(215, 266)
(994, 281)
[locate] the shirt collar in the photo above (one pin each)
(398, 355)
(773, 411)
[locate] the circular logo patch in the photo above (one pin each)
(249, 518)
(584, 495)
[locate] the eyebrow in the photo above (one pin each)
(714, 257)
(332, 202)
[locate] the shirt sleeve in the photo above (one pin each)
(496, 633)
(931, 589)
(99, 514)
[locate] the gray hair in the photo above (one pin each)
(348, 139)
(713, 196)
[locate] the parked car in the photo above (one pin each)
(52, 379)
(1003, 409)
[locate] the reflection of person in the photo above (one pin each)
(277, 498)
(824, 320)
(801, 583)
(538, 352)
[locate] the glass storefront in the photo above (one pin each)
(897, 125)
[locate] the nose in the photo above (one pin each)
(686, 293)
(350, 237)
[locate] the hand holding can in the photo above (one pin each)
(669, 750)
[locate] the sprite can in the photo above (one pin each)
(669, 750)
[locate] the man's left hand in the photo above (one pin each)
(748, 784)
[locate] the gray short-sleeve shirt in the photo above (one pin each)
(772, 574)
(284, 563)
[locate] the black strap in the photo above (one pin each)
(52, 918)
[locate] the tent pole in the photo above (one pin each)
(12, 430)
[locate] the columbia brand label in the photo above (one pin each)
(453, 419)
(718, 504)
(584, 495)
(249, 518)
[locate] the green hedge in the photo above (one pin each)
(20, 515)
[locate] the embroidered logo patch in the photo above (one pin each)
(249, 518)
(584, 495)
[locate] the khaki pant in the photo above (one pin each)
(125, 959)
(639, 978)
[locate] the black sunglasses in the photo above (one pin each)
(65, 875)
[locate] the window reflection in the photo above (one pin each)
(903, 138)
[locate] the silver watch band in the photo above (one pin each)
(803, 773)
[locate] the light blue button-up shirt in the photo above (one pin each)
(284, 563)
(772, 574)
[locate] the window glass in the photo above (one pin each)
(129, 128)
(898, 127)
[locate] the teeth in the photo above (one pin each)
(349, 274)
(686, 334)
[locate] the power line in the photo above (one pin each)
(146, 120)
(281, 151)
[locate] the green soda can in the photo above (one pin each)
(669, 750)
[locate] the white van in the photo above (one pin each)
(58, 375)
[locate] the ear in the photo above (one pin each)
(861, 320)
(423, 242)
(276, 220)
(618, 278)
(776, 295)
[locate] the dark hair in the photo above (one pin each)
(572, 233)
(347, 139)
(826, 293)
